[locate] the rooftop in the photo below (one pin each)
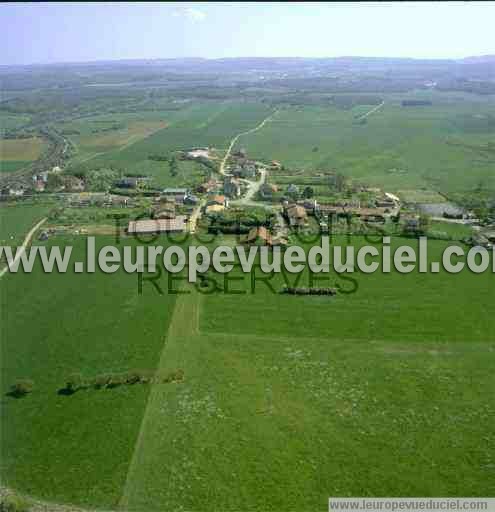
(157, 225)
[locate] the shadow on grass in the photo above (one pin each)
(65, 392)
(16, 394)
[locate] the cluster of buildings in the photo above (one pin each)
(133, 182)
(180, 196)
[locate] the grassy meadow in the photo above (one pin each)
(285, 400)
(195, 124)
(17, 219)
(17, 153)
(385, 389)
(443, 147)
(75, 448)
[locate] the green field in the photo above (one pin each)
(285, 400)
(443, 147)
(196, 124)
(13, 165)
(17, 219)
(10, 121)
(75, 448)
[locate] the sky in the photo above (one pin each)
(40, 33)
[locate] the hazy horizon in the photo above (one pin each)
(62, 33)
(246, 57)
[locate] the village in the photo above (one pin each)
(262, 201)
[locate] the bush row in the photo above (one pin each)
(76, 381)
(308, 291)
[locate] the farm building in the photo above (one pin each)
(296, 215)
(191, 199)
(231, 187)
(218, 199)
(207, 186)
(132, 181)
(259, 236)
(74, 184)
(16, 191)
(385, 202)
(174, 225)
(267, 190)
(39, 186)
(199, 153)
(292, 189)
(310, 205)
(177, 195)
(214, 208)
(116, 200)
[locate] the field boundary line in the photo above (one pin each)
(177, 328)
(422, 345)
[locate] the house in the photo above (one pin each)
(370, 214)
(39, 186)
(385, 202)
(247, 170)
(175, 225)
(74, 184)
(241, 153)
(191, 199)
(132, 181)
(80, 201)
(218, 199)
(42, 176)
(292, 189)
(490, 235)
(275, 165)
(199, 153)
(116, 200)
(331, 210)
(267, 190)
(16, 191)
(259, 236)
(310, 205)
(479, 239)
(410, 223)
(207, 187)
(296, 215)
(214, 208)
(178, 195)
(231, 187)
(56, 170)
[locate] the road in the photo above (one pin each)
(253, 186)
(378, 107)
(196, 215)
(24, 244)
(236, 138)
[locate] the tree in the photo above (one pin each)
(173, 166)
(424, 224)
(13, 503)
(308, 192)
(74, 382)
(339, 182)
(21, 388)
